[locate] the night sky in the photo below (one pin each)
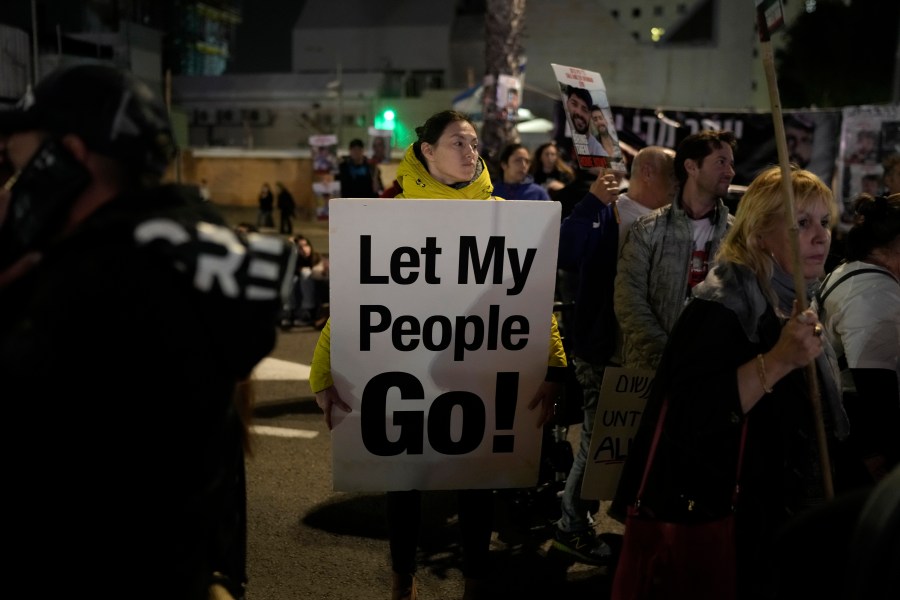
(263, 42)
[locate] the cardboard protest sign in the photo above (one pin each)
(440, 324)
(623, 395)
(589, 118)
(324, 153)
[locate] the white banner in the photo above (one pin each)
(440, 323)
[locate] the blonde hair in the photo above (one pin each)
(761, 212)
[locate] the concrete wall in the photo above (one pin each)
(235, 177)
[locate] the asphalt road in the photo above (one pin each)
(306, 541)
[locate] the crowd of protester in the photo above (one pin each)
(663, 277)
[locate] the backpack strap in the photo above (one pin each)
(820, 296)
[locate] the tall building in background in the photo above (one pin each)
(201, 36)
(148, 37)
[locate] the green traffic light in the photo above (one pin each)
(386, 119)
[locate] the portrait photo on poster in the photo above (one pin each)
(589, 118)
(509, 97)
(379, 145)
(324, 153)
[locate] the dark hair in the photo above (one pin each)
(581, 93)
(800, 121)
(115, 113)
(508, 151)
(876, 223)
(595, 107)
(537, 163)
(434, 127)
(698, 146)
(314, 257)
(357, 143)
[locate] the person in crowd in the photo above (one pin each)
(567, 280)
(266, 206)
(380, 150)
(891, 174)
(651, 185)
(244, 228)
(738, 353)
(381, 153)
(391, 191)
(302, 307)
(859, 305)
(589, 245)
(287, 207)
(578, 106)
(517, 184)
(356, 174)
(668, 252)
(204, 190)
(549, 170)
(112, 339)
(443, 163)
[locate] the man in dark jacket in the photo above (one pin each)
(130, 315)
(357, 175)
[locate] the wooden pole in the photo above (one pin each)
(787, 187)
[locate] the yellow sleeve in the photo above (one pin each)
(320, 370)
(557, 352)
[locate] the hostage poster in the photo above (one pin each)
(440, 328)
(589, 119)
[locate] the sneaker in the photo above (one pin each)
(584, 546)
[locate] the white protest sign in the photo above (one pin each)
(440, 327)
(623, 395)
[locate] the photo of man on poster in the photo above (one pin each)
(582, 92)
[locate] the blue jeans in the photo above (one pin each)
(574, 509)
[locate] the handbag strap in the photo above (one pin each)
(656, 435)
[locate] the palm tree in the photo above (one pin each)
(504, 23)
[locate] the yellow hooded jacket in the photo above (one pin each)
(417, 183)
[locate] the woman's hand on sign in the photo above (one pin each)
(328, 399)
(545, 396)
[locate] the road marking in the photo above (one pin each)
(283, 432)
(270, 369)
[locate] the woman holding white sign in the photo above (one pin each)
(442, 164)
(737, 356)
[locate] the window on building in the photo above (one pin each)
(697, 27)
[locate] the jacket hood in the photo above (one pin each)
(417, 182)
